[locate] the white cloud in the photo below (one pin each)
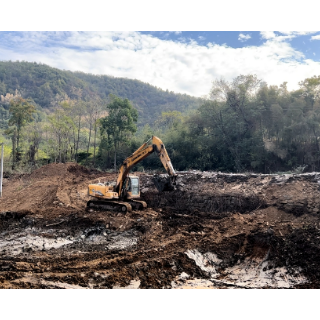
(244, 37)
(268, 34)
(285, 35)
(181, 67)
(317, 37)
(297, 33)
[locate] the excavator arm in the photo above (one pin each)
(144, 151)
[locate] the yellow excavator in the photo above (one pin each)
(124, 194)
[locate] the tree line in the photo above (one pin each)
(248, 125)
(243, 125)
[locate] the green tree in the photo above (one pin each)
(169, 120)
(62, 127)
(310, 89)
(235, 116)
(32, 135)
(21, 113)
(120, 123)
(12, 132)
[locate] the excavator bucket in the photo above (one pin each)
(164, 182)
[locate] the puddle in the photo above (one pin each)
(28, 241)
(121, 242)
(250, 273)
(207, 262)
(113, 241)
(39, 240)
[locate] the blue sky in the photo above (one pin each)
(303, 42)
(185, 62)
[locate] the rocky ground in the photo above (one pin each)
(213, 231)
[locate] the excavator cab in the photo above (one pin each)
(132, 187)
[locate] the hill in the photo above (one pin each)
(42, 83)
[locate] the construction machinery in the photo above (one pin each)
(123, 195)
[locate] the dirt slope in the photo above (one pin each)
(50, 190)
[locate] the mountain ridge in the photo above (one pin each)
(43, 83)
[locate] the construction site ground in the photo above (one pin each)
(214, 230)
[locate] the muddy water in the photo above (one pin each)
(251, 273)
(32, 239)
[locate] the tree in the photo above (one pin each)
(310, 89)
(21, 113)
(62, 127)
(12, 132)
(97, 107)
(169, 119)
(120, 123)
(235, 116)
(33, 135)
(79, 113)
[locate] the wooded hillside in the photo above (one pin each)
(43, 84)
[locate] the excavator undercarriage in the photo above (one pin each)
(112, 205)
(109, 205)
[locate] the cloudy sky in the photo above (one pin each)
(185, 62)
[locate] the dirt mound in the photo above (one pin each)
(49, 190)
(58, 170)
(81, 170)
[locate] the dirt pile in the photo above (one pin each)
(50, 190)
(213, 231)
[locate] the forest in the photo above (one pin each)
(244, 125)
(45, 86)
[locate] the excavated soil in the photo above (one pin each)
(213, 230)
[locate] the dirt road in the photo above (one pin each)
(214, 231)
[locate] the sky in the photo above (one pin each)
(180, 61)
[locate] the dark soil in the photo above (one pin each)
(235, 217)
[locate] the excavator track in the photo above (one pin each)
(109, 205)
(138, 204)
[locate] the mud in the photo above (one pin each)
(213, 231)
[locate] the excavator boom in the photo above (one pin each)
(144, 151)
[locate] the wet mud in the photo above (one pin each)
(213, 231)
